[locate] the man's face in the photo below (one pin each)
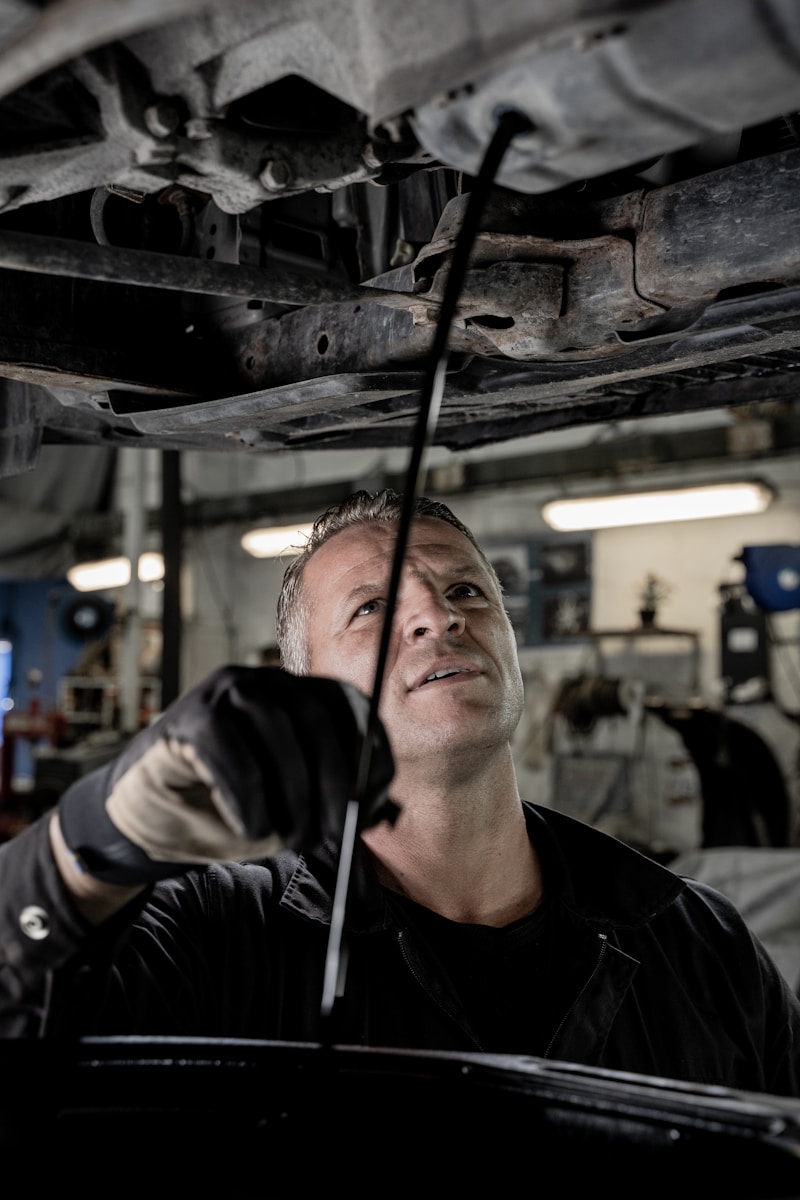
(452, 675)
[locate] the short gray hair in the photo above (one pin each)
(360, 508)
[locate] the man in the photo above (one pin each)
(476, 922)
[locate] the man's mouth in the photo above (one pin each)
(443, 674)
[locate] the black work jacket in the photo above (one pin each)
(666, 978)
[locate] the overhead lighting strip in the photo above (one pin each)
(649, 508)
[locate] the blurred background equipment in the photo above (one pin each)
(772, 576)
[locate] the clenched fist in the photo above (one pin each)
(250, 760)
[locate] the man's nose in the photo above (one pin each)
(427, 612)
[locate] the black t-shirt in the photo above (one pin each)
(506, 979)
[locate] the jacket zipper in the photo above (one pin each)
(450, 1016)
(603, 946)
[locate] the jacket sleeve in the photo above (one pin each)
(782, 1029)
(156, 967)
(43, 938)
(768, 1009)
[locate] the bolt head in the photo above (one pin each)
(371, 157)
(161, 119)
(198, 129)
(276, 175)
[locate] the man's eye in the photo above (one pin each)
(465, 591)
(369, 606)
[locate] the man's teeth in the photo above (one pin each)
(442, 674)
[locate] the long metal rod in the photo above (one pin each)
(509, 125)
(171, 272)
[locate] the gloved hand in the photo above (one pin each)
(250, 760)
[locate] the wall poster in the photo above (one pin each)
(547, 582)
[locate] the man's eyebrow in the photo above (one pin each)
(461, 570)
(368, 591)
(362, 591)
(472, 567)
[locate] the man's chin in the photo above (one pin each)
(455, 734)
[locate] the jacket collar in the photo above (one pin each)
(597, 878)
(311, 884)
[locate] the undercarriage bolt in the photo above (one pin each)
(404, 253)
(161, 119)
(371, 157)
(276, 175)
(198, 129)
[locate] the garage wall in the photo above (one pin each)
(233, 598)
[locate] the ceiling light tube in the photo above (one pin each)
(647, 508)
(276, 541)
(114, 572)
(151, 566)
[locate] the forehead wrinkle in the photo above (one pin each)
(425, 556)
(424, 573)
(432, 560)
(469, 569)
(368, 591)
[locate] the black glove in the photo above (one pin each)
(249, 761)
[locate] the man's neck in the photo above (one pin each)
(460, 848)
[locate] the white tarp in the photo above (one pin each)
(764, 884)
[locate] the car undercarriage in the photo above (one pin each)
(230, 227)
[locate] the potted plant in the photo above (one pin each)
(652, 593)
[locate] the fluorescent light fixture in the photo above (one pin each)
(151, 566)
(115, 572)
(648, 508)
(276, 541)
